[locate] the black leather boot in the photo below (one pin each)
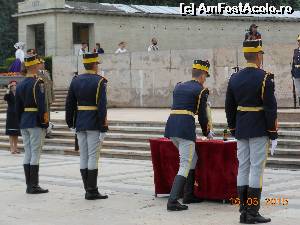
(84, 176)
(188, 196)
(178, 185)
(27, 176)
(252, 215)
(242, 194)
(92, 189)
(34, 181)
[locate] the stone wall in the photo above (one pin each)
(142, 79)
(173, 32)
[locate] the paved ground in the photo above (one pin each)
(129, 184)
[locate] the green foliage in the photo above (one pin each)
(9, 61)
(8, 29)
(3, 69)
(48, 64)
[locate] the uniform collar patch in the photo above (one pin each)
(253, 65)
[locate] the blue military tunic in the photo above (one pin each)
(250, 105)
(296, 63)
(188, 98)
(31, 103)
(86, 103)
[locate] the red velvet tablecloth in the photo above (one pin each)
(216, 169)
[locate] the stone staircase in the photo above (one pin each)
(130, 140)
(57, 105)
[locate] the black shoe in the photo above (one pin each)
(92, 192)
(252, 215)
(94, 195)
(37, 190)
(299, 101)
(176, 206)
(27, 176)
(173, 204)
(84, 176)
(188, 196)
(242, 194)
(34, 187)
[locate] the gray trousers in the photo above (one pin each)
(297, 85)
(33, 140)
(187, 155)
(252, 155)
(89, 147)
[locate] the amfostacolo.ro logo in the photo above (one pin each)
(242, 8)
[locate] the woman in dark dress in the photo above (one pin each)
(12, 126)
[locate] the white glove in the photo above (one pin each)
(274, 145)
(211, 135)
(73, 130)
(102, 136)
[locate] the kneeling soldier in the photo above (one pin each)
(87, 113)
(34, 120)
(189, 99)
(251, 111)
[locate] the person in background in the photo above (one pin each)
(49, 93)
(83, 49)
(153, 46)
(98, 49)
(122, 48)
(30, 52)
(16, 66)
(253, 34)
(12, 126)
(296, 68)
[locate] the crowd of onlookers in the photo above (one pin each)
(122, 47)
(252, 34)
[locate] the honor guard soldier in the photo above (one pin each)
(189, 99)
(251, 111)
(34, 120)
(87, 113)
(296, 68)
(49, 93)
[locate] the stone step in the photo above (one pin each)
(142, 146)
(289, 143)
(69, 138)
(286, 152)
(279, 162)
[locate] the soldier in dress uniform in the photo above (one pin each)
(49, 93)
(189, 99)
(296, 68)
(251, 111)
(33, 119)
(87, 113)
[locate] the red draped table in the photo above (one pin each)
(216, 169)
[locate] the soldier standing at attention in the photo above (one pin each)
(296, 68)
(189, 99)
(34, 120)
(49, 93)
(87, 113)
(251, 111)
